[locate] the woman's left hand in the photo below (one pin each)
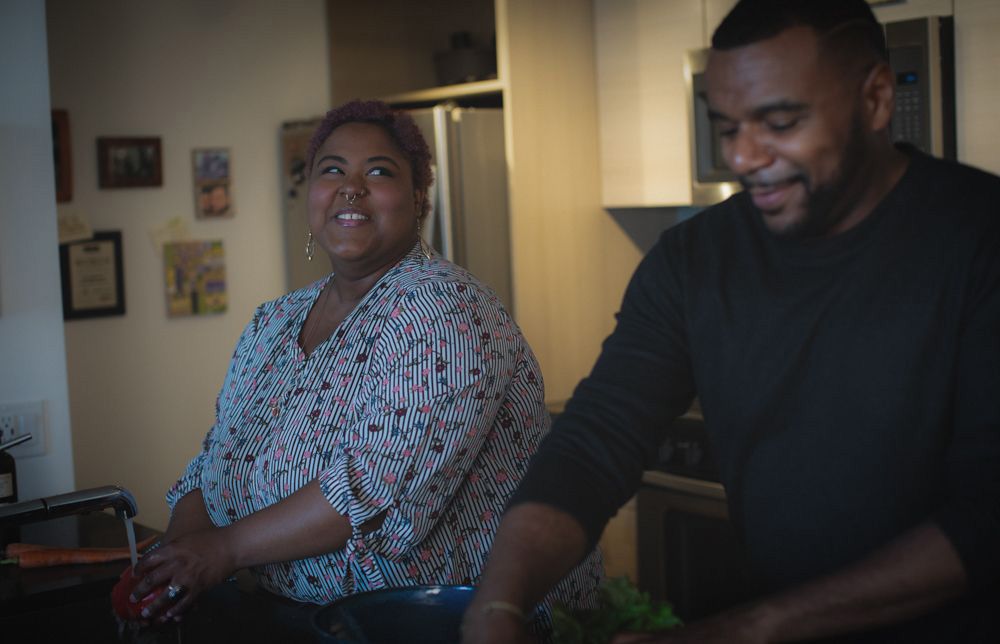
(184, 568)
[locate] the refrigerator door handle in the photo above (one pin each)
(443, 179)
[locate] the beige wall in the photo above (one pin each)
(197, 73)
(32, 358)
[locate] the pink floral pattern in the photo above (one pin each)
(425, 404)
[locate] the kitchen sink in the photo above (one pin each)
(73, 603)
(233, 612)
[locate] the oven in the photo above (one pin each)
(688, 551)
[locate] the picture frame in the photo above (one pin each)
(195, 278)
(129, 162)
(62, 156)
(93, 279)
(212, 183)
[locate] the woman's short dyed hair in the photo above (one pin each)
(400, 127)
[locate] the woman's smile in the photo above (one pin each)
(350, 217)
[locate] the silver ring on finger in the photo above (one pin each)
(174, 592)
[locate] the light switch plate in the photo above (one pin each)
(17, 418)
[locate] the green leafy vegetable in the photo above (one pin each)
(622, 607)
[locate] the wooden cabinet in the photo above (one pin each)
(977, 93)
(378, 49)
(570, 261)
(894, 12)
(977, 57)
(715, 11)
(642, 97)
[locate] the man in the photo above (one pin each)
(839, 321)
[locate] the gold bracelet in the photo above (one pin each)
(504, 607)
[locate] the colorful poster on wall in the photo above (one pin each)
(195, 274)
(212, 183)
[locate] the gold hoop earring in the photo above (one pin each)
(310, 247)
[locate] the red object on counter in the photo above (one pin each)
(129, 610)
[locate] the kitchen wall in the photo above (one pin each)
(32, 356)
(197, 73)
(210, 73)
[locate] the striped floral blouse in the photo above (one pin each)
(425, 404)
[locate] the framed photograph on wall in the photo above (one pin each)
(93, 280)
(129, 162)
(195, 278)
(62, 156)
(212, 183)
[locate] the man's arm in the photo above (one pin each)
(912, 575)
(591, 462)
(536, 546)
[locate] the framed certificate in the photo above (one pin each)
(93, 283)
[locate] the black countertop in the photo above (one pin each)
(21, 588)
(73, 602)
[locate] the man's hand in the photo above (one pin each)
(494, 628)
(740, 626)
(913, 574)
(535, 547)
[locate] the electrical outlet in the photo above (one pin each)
(23, 418)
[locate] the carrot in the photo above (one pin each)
(14, 549)
(31, 555)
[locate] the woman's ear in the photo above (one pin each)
(878, 96)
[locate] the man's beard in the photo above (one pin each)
(828, 203)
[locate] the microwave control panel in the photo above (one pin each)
(921, 53)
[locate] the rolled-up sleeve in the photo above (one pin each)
(447, 356)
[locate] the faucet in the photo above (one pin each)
(79, 502)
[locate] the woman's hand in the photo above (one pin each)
(185, 567)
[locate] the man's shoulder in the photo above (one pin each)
(969, 182)
(952, 198)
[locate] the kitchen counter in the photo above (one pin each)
(73, 602)
(23, 589)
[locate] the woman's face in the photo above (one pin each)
(381, 225)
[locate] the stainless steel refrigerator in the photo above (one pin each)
(469, 221)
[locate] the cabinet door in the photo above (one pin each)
(977, 93)
(912, 9)
(642, 105)
(715, 11)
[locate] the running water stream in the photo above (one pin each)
(130, 533)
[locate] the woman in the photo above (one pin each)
(371, 425)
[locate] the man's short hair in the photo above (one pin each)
(849, 24)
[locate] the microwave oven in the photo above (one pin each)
(921, 53)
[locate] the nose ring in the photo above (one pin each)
(354, 197)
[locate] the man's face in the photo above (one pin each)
(791, 129)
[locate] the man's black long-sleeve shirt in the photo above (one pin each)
(850, 385)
